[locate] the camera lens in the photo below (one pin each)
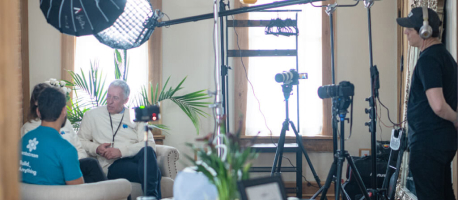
(327, 91)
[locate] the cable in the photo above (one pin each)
(252, 88)
(380, 119)
(305, 179)
(388, 111)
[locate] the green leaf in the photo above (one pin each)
(188, 103)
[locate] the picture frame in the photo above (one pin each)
(364, 152)
(265, 188)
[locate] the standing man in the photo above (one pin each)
(107, 133)
(431, 110)
(47, 158)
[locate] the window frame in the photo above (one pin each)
(322, 142)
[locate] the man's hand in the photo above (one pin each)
(101, 149)
(112, 153)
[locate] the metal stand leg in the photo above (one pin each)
(299, 142)
(337, 165)
(357, 176)
(276, 167)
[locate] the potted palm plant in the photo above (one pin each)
(90, 92)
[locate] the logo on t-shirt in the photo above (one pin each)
(32, 145)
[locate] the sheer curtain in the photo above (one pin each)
(90, 50)
(262, 71)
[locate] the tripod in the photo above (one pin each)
(340, 106)
(276, 167)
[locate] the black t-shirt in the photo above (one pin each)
(435, 68)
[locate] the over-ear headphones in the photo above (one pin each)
(425, 31)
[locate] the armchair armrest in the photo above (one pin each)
(167, 157)
(118, 189)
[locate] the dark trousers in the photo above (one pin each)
(132, 169)
(431, 172)
(92, 172)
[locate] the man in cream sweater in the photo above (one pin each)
(107, 133)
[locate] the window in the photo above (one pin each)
(90, 50)
(262, 71)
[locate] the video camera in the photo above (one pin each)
(290, 77)
(147, 113)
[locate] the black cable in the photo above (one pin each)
(388, 112)
(305, 179)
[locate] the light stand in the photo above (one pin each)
(375, 85)
(340, 107)
(145, 158)
(276, 167)
(145, 163)
(145, 114)
(330, 9)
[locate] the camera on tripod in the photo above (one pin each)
(344, 89)
(147, 113)
(291, 77)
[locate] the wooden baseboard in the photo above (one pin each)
(308, 189)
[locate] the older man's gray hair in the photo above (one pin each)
(123, 85)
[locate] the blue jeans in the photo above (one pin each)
(132, 169)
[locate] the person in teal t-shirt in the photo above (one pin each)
(47, 158)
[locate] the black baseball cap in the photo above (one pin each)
(415, 20)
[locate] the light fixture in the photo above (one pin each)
(132, 28)
(80, 18)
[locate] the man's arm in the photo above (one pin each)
(75, 141)
(75, 182)
(68, 158)
(133, 149)
(85, 135)
(439, 105)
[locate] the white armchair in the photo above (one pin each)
(118, 189)
(108, 190)
(167, 157)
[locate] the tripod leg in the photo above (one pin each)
(299, 142)
(279, 152)
(357, 176)
(327, 184)
(340, 160)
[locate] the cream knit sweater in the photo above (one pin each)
(95, 129)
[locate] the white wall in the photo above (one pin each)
(187, 51)
(44, 46)
(353, 64)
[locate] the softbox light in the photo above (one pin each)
(80, 18)
(132, 28)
